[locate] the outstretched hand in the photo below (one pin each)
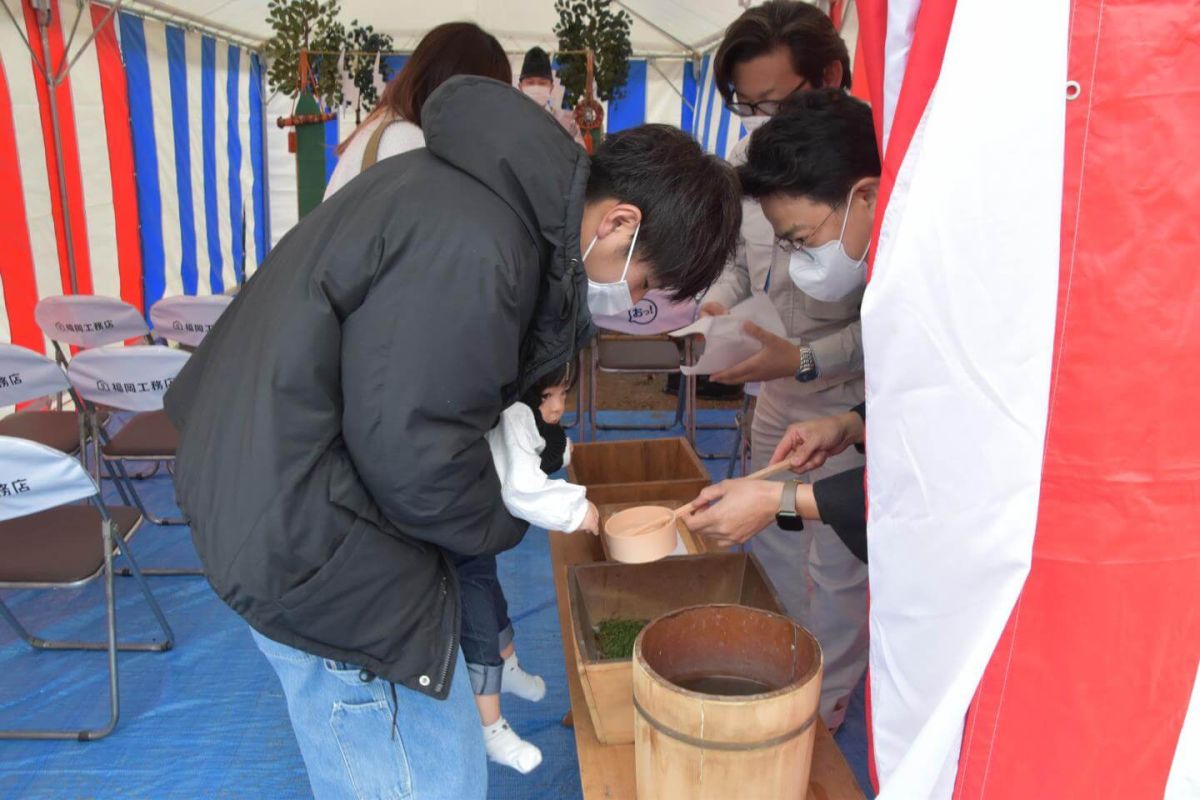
(778, 358)
(809, 444)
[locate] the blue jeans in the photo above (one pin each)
(486, 628)
(343, 725)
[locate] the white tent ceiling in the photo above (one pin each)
(660, 27)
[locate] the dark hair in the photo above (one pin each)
(536, 65)
(801, 27)
(455, 48)
(817, 146)
(690, 203)
(566, 376)
(552, 433)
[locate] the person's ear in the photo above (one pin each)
(832, 76)
(621, 218)
(868, 191)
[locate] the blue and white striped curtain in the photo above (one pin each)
(196, 109)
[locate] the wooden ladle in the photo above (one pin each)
(765, 472)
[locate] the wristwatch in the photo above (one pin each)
(808, 365)
(786, 517)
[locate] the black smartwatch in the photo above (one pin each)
(808, 365)
(786, 517)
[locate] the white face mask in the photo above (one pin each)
(539, 94)
(826, 272)
(751, 124)
(606, 299)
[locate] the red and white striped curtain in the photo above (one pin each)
(1032, 330)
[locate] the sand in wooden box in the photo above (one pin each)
(638, 470)
(606, 591)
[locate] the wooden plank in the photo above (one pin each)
(607, 771)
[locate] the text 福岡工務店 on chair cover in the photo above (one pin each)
(187, 319)
(51, 541)
(133, 379)
(86, 321)
(27, 377)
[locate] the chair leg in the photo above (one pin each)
(673, 424)
(137, 501)
(158, 572)
(111, 646)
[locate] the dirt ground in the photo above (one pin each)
(644, 393)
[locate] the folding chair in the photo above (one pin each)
(741, 440)
(625, 354)
(133, 379)
(50, 544)
(187, 319)
(87, 321)
(27, 376)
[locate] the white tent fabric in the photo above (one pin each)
(659, 27)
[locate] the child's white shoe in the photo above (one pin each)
(519, 682)
(505, 747)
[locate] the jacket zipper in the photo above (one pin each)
(451, 650)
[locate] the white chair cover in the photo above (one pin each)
(653, 314)
(26, 375)
(34, 477)
(187, 319)
(128, 378)
(88, 320)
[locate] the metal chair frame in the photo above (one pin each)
(111, 539)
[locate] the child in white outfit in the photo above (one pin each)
(527, 445)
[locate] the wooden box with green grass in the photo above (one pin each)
(638, 471)
(610, 602)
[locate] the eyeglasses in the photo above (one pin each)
(789, 246)
(765, 107)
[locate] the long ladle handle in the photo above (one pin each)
(765, 472)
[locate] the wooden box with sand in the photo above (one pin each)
(610, 602)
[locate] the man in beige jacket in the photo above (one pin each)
(769, 53)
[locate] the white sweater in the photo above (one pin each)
(529, 493)
(400, 137)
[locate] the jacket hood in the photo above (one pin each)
(492, 132)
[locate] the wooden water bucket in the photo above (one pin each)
(717, 746)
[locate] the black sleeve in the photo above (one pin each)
(842, 504)
(425, 362)
(861, 410)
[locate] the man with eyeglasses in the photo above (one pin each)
(770, 53)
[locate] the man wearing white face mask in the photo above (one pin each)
(537, 83)
(332, 494)
(770, 53)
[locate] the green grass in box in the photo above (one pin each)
(615, 637)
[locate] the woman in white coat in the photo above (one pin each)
(394, 127)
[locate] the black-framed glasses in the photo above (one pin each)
(765, 107)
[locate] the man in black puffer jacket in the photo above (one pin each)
(332, 424)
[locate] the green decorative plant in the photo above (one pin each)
(366, 43)
(592, 23)
(305, 25)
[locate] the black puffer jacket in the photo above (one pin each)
(333, 421)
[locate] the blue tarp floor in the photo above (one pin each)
(208, 720)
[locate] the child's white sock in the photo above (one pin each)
(505, 747)
(519, 682)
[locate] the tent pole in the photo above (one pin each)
(687, 48)
(21, 33)
(66, 68)
(43, 18)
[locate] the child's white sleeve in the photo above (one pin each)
(528, 493)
